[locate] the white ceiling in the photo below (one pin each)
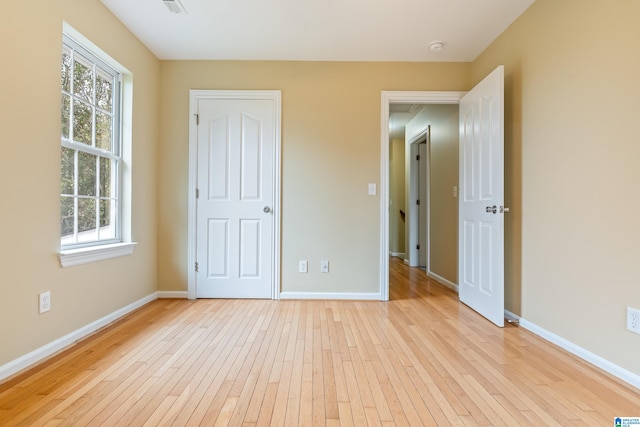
(319, 30)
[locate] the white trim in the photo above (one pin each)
(124, 185)
(173, 295)
(194, 96)
(30, 359)
(364, 296)
(387, 98)
(397, 254)
(412, 164)
(73, 257)
(93, 48)
(600, 362)
(444, 282)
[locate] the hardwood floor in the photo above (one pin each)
(421, 359)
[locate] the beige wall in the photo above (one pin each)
(330, 151)
(397, 196)
(31, 34)
(573, 72)
(443, 244)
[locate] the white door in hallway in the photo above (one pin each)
(481, 198)
(236, 140)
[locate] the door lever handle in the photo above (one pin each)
(492, 209)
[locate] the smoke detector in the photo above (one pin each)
(436, 46)
(174, 6)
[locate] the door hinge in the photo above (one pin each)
(197, 119)
(197, 193)
(418, 202)
(418, 157)
(197, 266)
(418, 247)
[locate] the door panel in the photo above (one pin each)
(481, 245)
(235, 168)
(218, 167)
(250, 248)
(251, 158)
(217, 241)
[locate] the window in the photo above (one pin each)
(91, 202)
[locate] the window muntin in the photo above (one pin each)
(91, 155)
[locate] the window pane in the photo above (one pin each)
(107, 219)
(83, 80)
(104, 88)
(65, 75)
(105, 177)
(65, 116)
(66, 216)
(82, 122)
(86, 174)
(66, 171)
(103, 131)
(86, 219)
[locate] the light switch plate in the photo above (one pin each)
(302, 266)
(372, 189)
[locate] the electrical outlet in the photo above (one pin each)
(633, 320)
(45, 301)
(302, 266)
(324, 266)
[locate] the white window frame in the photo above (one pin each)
(122, 244)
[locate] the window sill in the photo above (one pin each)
(73, 257)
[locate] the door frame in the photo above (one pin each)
(387, 98)
(194, 97)
(414, 230)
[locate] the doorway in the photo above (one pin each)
(480, 223)
(389, 98)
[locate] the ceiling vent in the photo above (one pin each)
(174, 6)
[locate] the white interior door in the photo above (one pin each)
(235, 202)
(481, 200)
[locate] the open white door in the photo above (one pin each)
(481, 209)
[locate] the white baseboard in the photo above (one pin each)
(397, 254)
(607, 366)
(40, 354)
(443, 281)
(173, 294)
(331, 295)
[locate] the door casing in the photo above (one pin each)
(194, 97)
(417, 223)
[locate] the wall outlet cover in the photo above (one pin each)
(324, 266)
(633, 320)
(44, 304)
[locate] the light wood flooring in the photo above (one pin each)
(421, 359)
